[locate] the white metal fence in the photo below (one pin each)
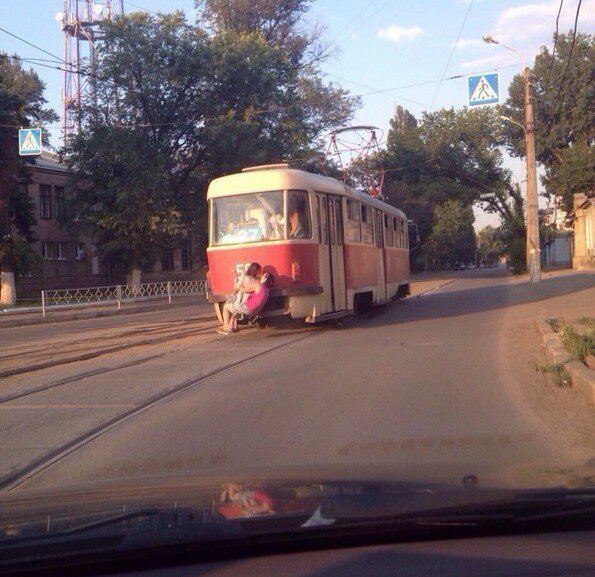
(118, 294)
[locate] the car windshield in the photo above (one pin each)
(260, 269)
(256, 217)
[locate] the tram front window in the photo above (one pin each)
(261, 216)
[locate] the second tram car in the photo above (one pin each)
(331, 249)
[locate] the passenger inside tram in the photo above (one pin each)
(296, 230)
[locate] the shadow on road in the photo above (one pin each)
(456, 302)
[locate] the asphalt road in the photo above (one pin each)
(440, 384)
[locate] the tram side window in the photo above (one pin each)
(339, 221)
(388, 230)
(403, 235)
(298, 215)
(367, 225)
(397, 233)
(353, 223)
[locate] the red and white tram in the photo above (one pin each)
(331, 249)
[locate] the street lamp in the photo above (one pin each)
(532, 210)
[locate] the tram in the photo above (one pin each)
(332, 250)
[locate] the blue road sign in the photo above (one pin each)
(483, 89)
(30, 141)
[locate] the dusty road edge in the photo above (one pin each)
(583, 378)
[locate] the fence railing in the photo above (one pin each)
(120, 293)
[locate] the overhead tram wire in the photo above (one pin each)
(353, 19)
(547, 82)
(561, 83)
(451, 54)
(57, 58)
(69, 67)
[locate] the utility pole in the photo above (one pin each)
(532, 208)
(533, 251)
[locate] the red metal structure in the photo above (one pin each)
(80, 22)
(357, 152)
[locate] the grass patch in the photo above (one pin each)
(558, 374)
(588, 322)
(579, 346)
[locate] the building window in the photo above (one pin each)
(185, 255)
(47, 250)
(62, 250)
(45, 201)
(60, 201)
(81, 253)
(167, 260)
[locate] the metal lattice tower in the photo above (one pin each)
(80, 20)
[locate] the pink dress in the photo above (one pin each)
(257, 299)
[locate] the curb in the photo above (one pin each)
(583, 377)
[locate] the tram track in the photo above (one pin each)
(77, 377)
(19, 477)
(68, 351)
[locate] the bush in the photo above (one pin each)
(579, 346)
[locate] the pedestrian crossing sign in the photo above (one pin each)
(30, 142)
(483, 89)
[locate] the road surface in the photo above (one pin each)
(441, 383)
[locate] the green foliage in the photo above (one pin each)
(490, 245)
(564, 111)
(446, 156)
(558, 374)
(177, 106)
(453, 238)
(21, 105)
(118, 185)
(26, 260)
(580, 346)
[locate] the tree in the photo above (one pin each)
(206, 104)
(278, 22)
(490, 246)
(21, 105)
(564, 110)
(121, 175)
(452, 238)
(448, 155)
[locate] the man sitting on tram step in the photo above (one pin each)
(258, 294)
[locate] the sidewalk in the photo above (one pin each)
(33, 315)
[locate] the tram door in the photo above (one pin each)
(332, 241)
(381, 293)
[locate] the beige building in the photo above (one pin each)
(583, 220)
(68, 260)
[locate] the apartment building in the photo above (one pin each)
(70, 260)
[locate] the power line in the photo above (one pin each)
(451, 53)
(561, 84)
(33, 45)
(547, 83)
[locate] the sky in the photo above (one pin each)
(390, 52)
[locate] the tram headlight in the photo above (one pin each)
(295, 271)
